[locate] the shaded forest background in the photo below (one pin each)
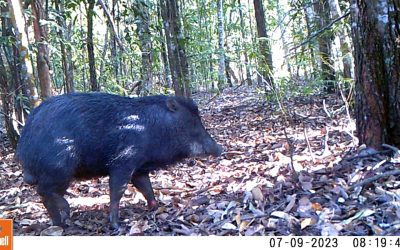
(284, 48)
(144, 47)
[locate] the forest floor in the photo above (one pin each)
(299, 175)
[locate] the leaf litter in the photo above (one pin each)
(302, 173)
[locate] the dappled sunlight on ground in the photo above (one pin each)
(278, 175)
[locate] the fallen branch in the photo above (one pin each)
(367, 155)
(13, 207)
(396, 150)
(233, 152)
(374, 178)
(213, 98)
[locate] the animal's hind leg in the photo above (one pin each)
(53, 200)
(142, 182)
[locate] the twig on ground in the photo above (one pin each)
(326, 147)
(396, 150)
(379, 164)
(295, 176)
(213, 98)
(374, 178)
(325, 109)
(367, 155)
(308, 143)
(346, 105)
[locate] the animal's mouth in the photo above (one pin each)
(197, 150)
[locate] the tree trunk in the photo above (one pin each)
(92, 66)
(43, 51)
(18, 21)
(102, 75)
(64, 34)
(265, 59)
(114, 52)
(180, 43)
(375, 29)
(345, 47)
(165, 12)
(143, 31)
(176, 47)
(285, 36)
(9, 82)
(309, 15)
(321, 8)
(221, 47)
(210, 34)
(7, 98)
(246, 57)
(163, 52)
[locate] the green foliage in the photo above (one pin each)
(288, 87)
(119, 69)
(7, 41)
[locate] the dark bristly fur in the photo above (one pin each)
(84, 135)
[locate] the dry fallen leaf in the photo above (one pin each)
(306, 182)
(238, 219)
(292, 202)
(280, 214)
(252, 230)
(316, 206)
(257, 194)
(307, 222)
(52, 231)
(249, 190)
(26, 222)
(229, 226)
(329, 230)
(244, 225)
(304, 207)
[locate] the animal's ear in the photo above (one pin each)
(172, 104)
